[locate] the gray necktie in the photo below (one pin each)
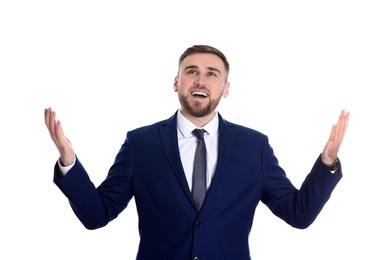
(199, 169)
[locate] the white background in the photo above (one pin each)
(108, 66)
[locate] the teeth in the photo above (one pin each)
(200, 94)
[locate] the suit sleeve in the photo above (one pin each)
(297, 207)
(96, 207)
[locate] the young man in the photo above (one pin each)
(155, 166)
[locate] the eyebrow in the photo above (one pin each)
(209, 68)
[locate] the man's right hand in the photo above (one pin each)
(62, 143)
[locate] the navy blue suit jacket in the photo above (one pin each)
(148, 167)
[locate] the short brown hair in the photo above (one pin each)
(205, 49)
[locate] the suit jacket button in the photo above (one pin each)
(196, 258)
(198, 223)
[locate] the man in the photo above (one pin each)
(155, 166)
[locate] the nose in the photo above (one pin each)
(200, 81)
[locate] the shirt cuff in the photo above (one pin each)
(64, 169)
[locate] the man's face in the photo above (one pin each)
(201, 82)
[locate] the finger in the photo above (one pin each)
(53, 126)
(338, 127)
(51, 122)
(339, 131)
(346, 121)
(48, 120)
(47, 116)
(343, 123)
(59, 134)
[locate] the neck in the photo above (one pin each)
(198, 121)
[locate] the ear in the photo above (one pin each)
(175, 84)
(226, 90)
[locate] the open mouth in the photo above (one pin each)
(199, 94)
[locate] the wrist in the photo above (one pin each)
(66, 161)
(333, 167)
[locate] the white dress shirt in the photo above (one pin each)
(187, 143)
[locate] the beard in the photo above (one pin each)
(196, 109)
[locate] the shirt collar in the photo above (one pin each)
(186, 127)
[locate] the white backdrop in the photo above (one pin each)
(108, 66)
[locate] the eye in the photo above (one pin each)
(212, 74)
(191, 72)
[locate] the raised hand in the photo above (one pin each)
(330, 152)
(62, 143)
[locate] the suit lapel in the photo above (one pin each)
(225, 146)
(169, 139)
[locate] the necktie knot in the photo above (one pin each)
(199, 133)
